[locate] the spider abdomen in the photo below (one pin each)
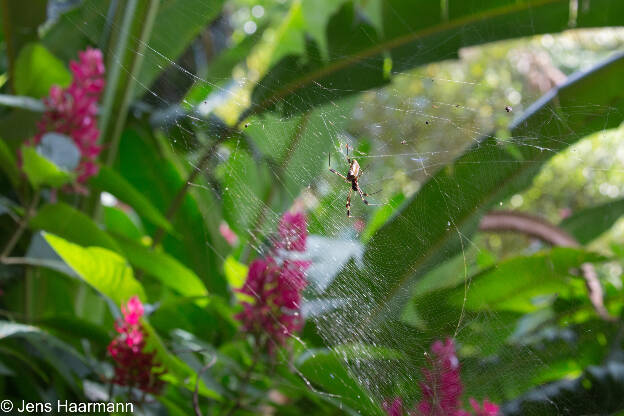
(354, 170)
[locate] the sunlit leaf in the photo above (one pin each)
(36, 70)
(436, 31)
(41, 171)
(587, 224)
(105, 270)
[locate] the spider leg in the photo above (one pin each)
(332, 170)
(372, 193)
(349, 204)
(362, 195)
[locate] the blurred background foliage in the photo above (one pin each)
(218, 116)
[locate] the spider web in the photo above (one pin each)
(402, 135)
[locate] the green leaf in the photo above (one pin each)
(9, 164)
(235, 272)
(71, 224)
(600, 390)
(20, 25)
(220, 69)
(116, 221)
(106, 271)
(176, 28)
(36, 70)
(589, 223)
(436, 31)
(381, 216)
(178, 372)
(325, 368)
(41, 171)
(165, 268)
(451, 203)
(513, 284)
(65, 41)
(110, 181)
(71, 326)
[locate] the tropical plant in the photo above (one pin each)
(172, 237)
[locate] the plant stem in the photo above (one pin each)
(21, 227)
(178, 199)
(244, 383)
(196, 392)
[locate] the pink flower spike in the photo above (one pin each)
(133, 311)
(293, 232)
(488, 409)
(133, 366)
(72, 111)
(394, 407)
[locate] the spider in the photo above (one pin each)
(352, 177)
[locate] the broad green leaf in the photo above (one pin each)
(325, 368)
(434, 224)
(219, 70)
(116, 221)
(599, 390)
(71, 224)
(110, 181)
(106, 271)
(513, 284)
(412, 35)
(178, 372)
(235, 272)
(236, 275)
(165, 268)
(381, 216)
(20, 26)
(36, 70)
(8, 164)
(62, 357)
(177, 23)
(587, 224)
(71, 326)
(65, 41)
(41, 171)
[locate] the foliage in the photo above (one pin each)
(153, 246)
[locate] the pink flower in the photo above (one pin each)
(132, 311)
(276, 293)
(488, 409)
(394, 407)
(72, 111)
(228, 234)
(274, 313)
(293, 232)
(133, 367)
(442, 387)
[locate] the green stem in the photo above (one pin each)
(125, 58)
(178, 199)
(21, 227)
(244, 383)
